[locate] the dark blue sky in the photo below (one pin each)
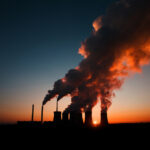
(40, 38)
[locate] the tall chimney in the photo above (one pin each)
(32, 117)
(104, 119)
(56, 105)
(88, 118)
(42, 114)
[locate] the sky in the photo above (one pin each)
(39, 43)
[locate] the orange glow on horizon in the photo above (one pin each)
(120, 116)
(127, 107)
(95, 123)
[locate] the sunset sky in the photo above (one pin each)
(39, 44)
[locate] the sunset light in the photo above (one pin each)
(95, 123)
(75, 63)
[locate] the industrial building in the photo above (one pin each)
(72, 118)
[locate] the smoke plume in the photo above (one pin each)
(118, 46)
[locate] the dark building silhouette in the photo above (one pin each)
(104, 119)
(88, 118)
(68, 118)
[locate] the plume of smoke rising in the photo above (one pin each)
(118, 47)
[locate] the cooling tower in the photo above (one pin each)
(76, 118)
(65, 117)
(88, 118)
(57, 116)
(104, 119)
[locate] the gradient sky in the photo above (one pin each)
(39, 43)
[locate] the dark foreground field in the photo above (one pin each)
(120, 136)
(112, 130)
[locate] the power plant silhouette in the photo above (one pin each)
(72, 118)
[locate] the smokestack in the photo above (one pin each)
(88, 118)
(56, 105)
(32, 117)
(42, 114)
(104, 119)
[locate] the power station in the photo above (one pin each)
(72, 118)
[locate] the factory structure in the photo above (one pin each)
(72, 118)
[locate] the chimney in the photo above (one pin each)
(42, 113)
(32, 117)
(88, 118)
(104, 120)
(56, 105)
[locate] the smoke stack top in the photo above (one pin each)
(118, 46)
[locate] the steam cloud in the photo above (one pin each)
(118, 46)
